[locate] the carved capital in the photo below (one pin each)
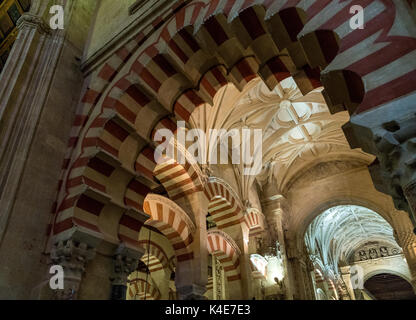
(73, 257)
(123, 266)
(28, 20)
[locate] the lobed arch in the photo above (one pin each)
(161, 84)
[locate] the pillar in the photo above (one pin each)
(299, 272)
(35, 94)
(346, 278)
(125, 261)
(191, 276)
(240, 234)
(275, 209)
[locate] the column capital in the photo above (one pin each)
(33, 21)
(125, 261)
(73, 257)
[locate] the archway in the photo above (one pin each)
(387, 286)
(165, 81)
(348, 236)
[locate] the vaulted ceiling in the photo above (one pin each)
(339, 231)
(296, 129)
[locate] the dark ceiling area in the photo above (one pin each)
(386, 286)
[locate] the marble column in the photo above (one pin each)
(72, 256)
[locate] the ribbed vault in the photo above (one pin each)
(336, 233)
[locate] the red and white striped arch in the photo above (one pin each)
(181, 60)
(154, 257)
(224, 205)
(332, 289)
(254, 220)
(140, 289)
(319, 278)
(173, 222)
(179, 180)
(225, 249)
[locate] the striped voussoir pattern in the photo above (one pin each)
(182, 59)
(254, 220)
(140, 289)
(332, 289)
(210, 283)
(177, 179)
(224, 205)
(173, 222)
(226, 252)
(319, 278)
(154, 257)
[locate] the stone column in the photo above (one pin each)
(72, 257)
(39, 89)
(299, 277)
(21, 99)
(191, 276)
(125, 261)
(275, 209)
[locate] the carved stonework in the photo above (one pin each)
(394, 171)
(123, 267)
(218, 280)
(73, 257)
(33, 21)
